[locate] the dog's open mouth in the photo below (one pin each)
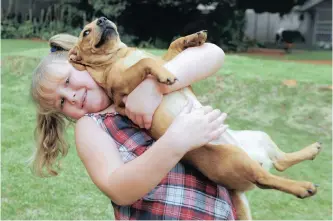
(107, 33)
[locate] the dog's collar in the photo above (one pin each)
(55, 48)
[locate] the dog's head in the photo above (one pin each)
(97, 40)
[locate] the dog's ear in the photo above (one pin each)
(75, 58)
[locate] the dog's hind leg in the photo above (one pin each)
(236, 170)
(241, 205)
(289, 159)
(300, 189)
(282, 160)
(256, 174)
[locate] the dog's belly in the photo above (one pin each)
(254, 143)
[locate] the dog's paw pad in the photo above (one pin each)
(313, 150)
(168, 80)
(306, 190)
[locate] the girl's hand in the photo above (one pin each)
(193, 128)
(142, 102)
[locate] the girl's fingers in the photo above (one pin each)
(139, 121)
(224, 128)
(127, 113)
(217, 133)
(207, 109)
(147, 121)
(218, 122)
(213, 115)
(131, 116)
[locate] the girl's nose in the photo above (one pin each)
(73, 100)
(70, 95)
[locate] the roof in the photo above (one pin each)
(309, 4)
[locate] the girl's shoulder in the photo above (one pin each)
(102, 120)
(89, 130)
(87, 122)
(91, 119)
(98, 117)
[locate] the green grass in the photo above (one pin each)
(17, 46)
(249, 89)
(310, 55)
(297, 56)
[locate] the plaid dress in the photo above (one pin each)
(183, 194)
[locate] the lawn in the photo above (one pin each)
(249, 89)
(311, 55)
(296, 55)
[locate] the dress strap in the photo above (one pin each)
(99, 118)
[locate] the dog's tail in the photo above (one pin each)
(62, 42)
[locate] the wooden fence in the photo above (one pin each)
(262, 27)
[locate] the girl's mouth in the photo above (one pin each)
(84, 99)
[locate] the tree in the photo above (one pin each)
(163, 20)
(160, 21)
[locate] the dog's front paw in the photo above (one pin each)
(196, 39)
(168, 79)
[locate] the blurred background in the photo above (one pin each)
(234, 25)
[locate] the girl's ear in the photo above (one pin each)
(75, 59)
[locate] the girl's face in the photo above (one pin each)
(76, 93)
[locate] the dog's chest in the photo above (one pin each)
(135, 57)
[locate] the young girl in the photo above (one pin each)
(143, 178)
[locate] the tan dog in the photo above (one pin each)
(119, 69)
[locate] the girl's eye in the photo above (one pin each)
(85, 33)
(62, 101)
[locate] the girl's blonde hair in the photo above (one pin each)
(51, 124)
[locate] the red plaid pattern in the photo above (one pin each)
(184, 194)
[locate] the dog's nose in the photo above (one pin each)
(101, 21)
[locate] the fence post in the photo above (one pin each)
(62, 14)
(268, 27)
(255, 26)
(41, 20)
(10, 7)
(69, 16)
(48, 15)
(30, 14)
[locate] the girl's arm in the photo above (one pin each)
(122, 183)
(126, 183)
(191, 65)
(194, 64)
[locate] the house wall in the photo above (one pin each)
(262, 27)
(325, 4)
(322, 30)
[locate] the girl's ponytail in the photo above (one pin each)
(49, 135)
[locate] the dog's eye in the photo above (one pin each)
(85, 33)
